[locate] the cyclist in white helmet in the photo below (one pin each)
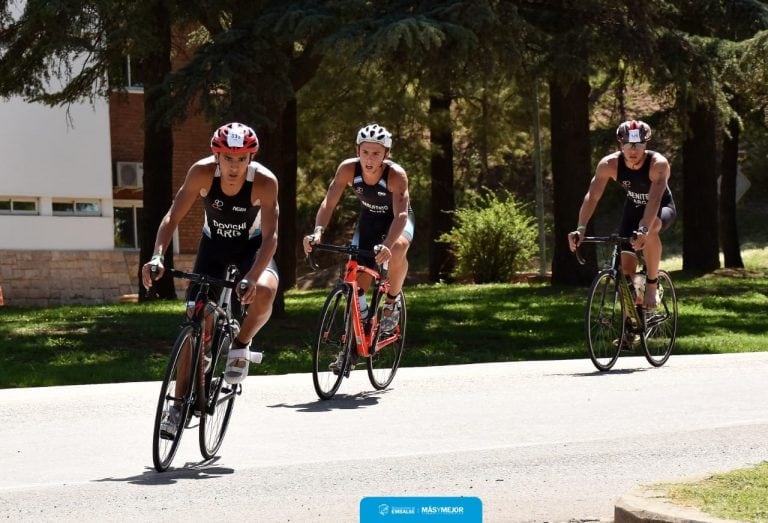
(386, 221)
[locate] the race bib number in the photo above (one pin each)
(235, 138)
(634, 136)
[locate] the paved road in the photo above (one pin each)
(535, 441)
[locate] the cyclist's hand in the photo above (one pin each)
(246, 291)
(638, 240)
(152, 270)
(383, 254)
(311, 239)
(574, 240)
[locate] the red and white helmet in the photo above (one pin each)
(633, 131)
(234, 138)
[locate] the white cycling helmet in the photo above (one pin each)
(376, 134)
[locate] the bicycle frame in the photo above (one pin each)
(367, 340)
(365, 330)
(222, 315)
(637, 319)
(221, 322)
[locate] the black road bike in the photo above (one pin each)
(194, 382)
(615, 322)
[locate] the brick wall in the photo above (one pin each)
(43, 278)
(191, 142)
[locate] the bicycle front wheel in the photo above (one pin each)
(604, 321)
(661, 324)
(179, 375)
(219, 401)
(386, 348)
(333, 341)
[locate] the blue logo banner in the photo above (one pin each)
(421, 510)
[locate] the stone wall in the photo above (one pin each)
(43, 278)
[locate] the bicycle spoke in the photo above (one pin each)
(661, 327)
(220, 400)
(384, 362)
(330, 352)
(604, 322)
(178, 379)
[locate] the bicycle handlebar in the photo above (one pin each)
(197, 278)
(613, 238)
(351, 250)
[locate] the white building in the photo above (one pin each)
(55, 177)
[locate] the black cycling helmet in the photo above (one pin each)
(633, 131)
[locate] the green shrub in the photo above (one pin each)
(493, 237)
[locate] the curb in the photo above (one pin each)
(650, 505)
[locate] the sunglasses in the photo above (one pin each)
(636, 145)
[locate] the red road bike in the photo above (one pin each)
(345, 336)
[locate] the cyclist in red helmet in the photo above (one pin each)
(649, 208)
(240, 200)
(386, 221)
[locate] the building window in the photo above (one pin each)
(127, 226)
(76, 208)
(18, 206)
(127, 74)
(134, 79)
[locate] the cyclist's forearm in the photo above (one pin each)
(585, 211)
(164, 236)
(323, 217)
(653, 205)
(651, 211)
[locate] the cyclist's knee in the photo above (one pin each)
(265, 293)
(400, 248)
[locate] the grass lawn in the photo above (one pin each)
(739, 495)
(447, 324)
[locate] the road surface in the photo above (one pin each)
(535, 441)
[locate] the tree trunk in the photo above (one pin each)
(700, 216)
(729, 231)
(278, 154)
(571, 173)
(286, 241)
(441, 261)
(158, 153)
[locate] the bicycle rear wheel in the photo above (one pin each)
(333, 342)
(219, 401)
(383, 363)
(661, 325)
(604, 321)
(164, 447)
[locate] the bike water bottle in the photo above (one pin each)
(639, 284)
(362, 303)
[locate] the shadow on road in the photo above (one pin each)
(601, 373)
(200, 470)
(338, 402)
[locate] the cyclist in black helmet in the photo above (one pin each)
(649, 208)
